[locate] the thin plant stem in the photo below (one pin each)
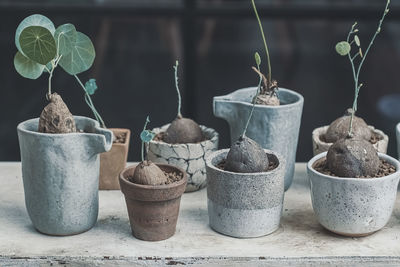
(179, 114)
(144, 128)
(269, 76)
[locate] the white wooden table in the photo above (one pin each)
(299, 241)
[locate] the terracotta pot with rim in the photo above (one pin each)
(114, 161)
(153, 210)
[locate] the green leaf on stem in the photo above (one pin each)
(26, 67)
(65, 36)
(357, 40)
(343, 48)
(91, 86)
(147, 135)
(257, 58)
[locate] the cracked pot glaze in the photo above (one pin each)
(273, 127)
(398, 140)
(61, 175)
(244, 204)
(353, 206)
(320, 146)
(189, 157)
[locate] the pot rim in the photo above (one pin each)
(125, 181)
(213, 138)
(385, 157)
(227, 98)
(22, 129)
(398, 127)
(127, 138)
(375, 130)
(214, 154)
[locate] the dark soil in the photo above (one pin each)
(160, 138)
(385, 169)
(272, 165)
(173, 177)
(120, 138)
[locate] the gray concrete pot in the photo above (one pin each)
(320, 146)
(273, 127)
(353, 206)
(398, 140)
(189, 157)
(61, 175)
(244, 204)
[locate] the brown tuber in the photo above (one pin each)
(56, 117)
(183, 131)
(148, 173)
(246, 156)
(353, 157)
(340, 127)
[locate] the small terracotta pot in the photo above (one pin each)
(113, 162)
(153, 210)
(320, 146)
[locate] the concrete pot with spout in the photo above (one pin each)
(61, 175)
(273, 127)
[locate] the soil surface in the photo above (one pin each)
(120, 138)
(272, 165)
(385, 169)
(160, 138)
(172, 177)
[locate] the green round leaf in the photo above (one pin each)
(146, 136)
(38, 44)
(33, 20)
(65, 37)
(257, 58)
(357, 40)
(343, 48)
(91, 86)
(26, 67)
(81, 57)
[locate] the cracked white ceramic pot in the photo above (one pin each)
(398, 140)
(273, 127)
(244, 205)
(61, 175)
(319, 145)
(353, 206)
(189, 157)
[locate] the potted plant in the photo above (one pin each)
(185, 144)
(59, 152)
(277, 115)
(245, 186)
(354, 187)
(113, 161)
(152, 194)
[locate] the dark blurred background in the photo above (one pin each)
(138, 41)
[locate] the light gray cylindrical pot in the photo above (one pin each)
(244, 204)
(353, 206)
(61, 175)
(189, 157)
(320, 146)
(273, 127)
(398, 139)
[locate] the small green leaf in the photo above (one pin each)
(38, 44)
(257, 58)
(357, 40)
(49, 66)
(91, 86)
(147, 135)
(343, 48)
(33, 20)
(26, 67)
(81, 57)
(65, 37)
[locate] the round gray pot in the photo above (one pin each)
(189, 157)
(320, 146)
(353, 206)
(244, 204)
(398, 140)
(273, 127)
(61, 175)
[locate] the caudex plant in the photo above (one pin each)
(246, 155)
(146, 172)
(182, 130)
(42, 48)
(352, 155)
(268, 94)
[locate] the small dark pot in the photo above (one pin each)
(153, 210)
